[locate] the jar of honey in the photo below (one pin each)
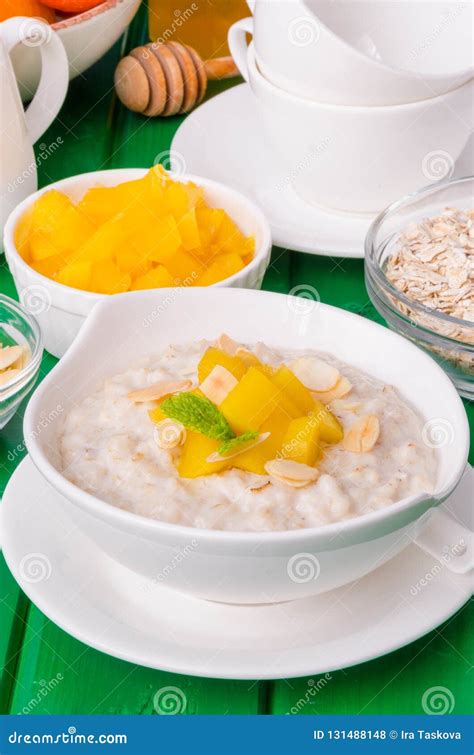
(203, 24)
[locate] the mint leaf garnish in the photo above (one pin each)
(198, 413)
(234, 444)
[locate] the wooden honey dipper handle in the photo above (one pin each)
(168, 78)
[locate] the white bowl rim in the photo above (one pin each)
(129, 174)
(376, 110)
(103, 510)
(384, 66)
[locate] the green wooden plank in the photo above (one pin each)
(393, 684)
(61, 675)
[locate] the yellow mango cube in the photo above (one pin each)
(42, 246)
(251, 402)
(213, 357)
(50, 266)
(157, 277)
(189, 231)
(107, 278)
(184, 268)
(76, 274)
(48, 210)
(195, 450)
(255, 458)
(221, 268)
(331, 430)
(287, 381)
(301, 441)
(22, 233)
(103, 243)
(160, 240)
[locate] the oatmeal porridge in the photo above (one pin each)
(246, 438)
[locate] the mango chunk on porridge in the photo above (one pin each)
(331, 430)
(196, 449)
(157, 231)
(287, 381)
(251, 402)
(301, 441)
(213, 357)
(254, 459)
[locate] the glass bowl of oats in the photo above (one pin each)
(21, 349)
(419, 272)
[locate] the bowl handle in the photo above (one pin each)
(448, 541)
(237, 42)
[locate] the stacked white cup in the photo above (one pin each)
(363, 101)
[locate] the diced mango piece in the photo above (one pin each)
(22, 233)
(301, 441)
(222, 267)
(251, 402)
(72, 230)
(76, 274)
(42, 247)
(330, 430)
(214, 356)
(156, 415)
(176, 199)
(158, 277)
(287, 381)
(195, 450)
(230, 239)
(48, 210)
(131, 260)
(107, 278)
(101, 203)
(160, 239)
(189, 231)
(184, 267)
(51, 265)
(209, 220)
(103, 243)
(255, 458)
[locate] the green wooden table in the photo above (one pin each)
(97, 133)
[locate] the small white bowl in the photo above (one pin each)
(86, 38)
(243, 567)
(61, 310)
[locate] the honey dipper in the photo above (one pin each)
(167, 78)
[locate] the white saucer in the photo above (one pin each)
(222, 139)
(108, 607)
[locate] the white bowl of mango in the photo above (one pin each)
(98, 234)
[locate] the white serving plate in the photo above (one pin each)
(110, 608)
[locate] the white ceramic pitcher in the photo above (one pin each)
(19, 130)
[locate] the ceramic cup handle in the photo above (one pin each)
(53, 84)
(237, 42)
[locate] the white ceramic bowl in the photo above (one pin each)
(231, 566)
(86, 38)
(61, 310)
(364, 53)
(356, 159)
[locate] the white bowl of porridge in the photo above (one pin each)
(241, 447)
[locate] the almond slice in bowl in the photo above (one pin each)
(159, 390)
(315, 374)
(169, 433)
(227, 344)
(292, 473)
(218, 384)
(9, 355)
(363, 435)
(341, 389)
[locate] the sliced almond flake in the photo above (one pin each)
(214, 457)
(363, 435)
(339, 405)
(227, 344)
(9, 355)
(7, 375)
(218, 384)
(169, 433)
(292, 473)
(159, 390)
(315, 374)
(341, 389)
